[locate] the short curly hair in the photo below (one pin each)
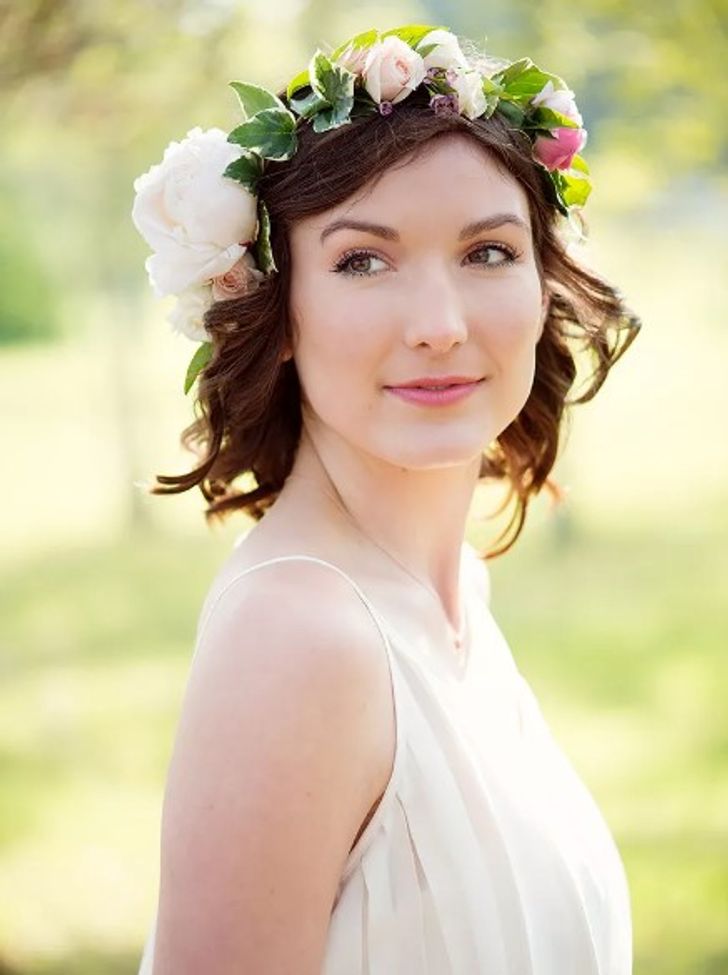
(248, 399)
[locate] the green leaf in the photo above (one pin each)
(547, 118)
(271, 134)
(491, 87)
(412, 34)
(332, 118)
(571, 189)
(366, 39)
(427, 49)
(575, 189)
(198, 362)
(308, 104)
(300, 81)
(491, 103)
(334, 83)
(516, 68)
(263, 251)
(246, 170)
(528, 83)
(580, 165)
(512, 111)
(254, 99)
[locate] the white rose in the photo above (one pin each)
(186, 317)
(447, 54)
(392, 70)
(560, 100)
(469, 88)
(194, 218)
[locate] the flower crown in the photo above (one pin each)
(198, 208)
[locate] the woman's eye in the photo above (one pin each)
(357, 262)
(507, 255)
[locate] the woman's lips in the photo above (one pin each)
(434, 397)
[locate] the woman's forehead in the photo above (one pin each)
(453, 179)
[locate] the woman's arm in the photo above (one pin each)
(285, 740)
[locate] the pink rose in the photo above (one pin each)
(353, 59)
(557, 150)
(392, 70)
(242, 277)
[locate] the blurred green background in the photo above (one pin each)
(614, 604)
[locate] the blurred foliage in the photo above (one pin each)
(92, 90)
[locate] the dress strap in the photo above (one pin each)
(208, 609)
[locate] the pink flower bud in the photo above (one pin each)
(241, 278)
(557, 150)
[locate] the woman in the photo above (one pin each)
(361, 780)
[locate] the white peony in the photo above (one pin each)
(186, 317)
(560, 100)
(392, 70)
(469, 88)
(447, 54)
(195, 219)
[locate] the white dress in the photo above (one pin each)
(487, 855)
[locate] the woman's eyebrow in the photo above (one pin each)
(389, 233)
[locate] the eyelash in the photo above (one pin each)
(341, 265)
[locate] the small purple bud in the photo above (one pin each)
(432, 73)
(385, 108)
(444, 104)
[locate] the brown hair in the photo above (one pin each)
(248, 400)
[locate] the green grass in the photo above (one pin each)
(619, 634)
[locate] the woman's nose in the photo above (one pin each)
(435, 315)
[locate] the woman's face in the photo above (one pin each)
(421, 292)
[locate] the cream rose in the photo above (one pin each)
(195, 219)
(447, 54)
(242, 277)
(469, 88)
(560, 100)
(392, 70)
(353, 59)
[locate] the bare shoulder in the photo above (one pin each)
(285, 738)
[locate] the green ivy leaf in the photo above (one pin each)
(246, 170)
(254, 99)
(366, 39)
(301, 80)
(412, 34)
(332, 118)
(263, 251)
(307, 104)
(198, 362)
(271, 134)
(334, 83)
